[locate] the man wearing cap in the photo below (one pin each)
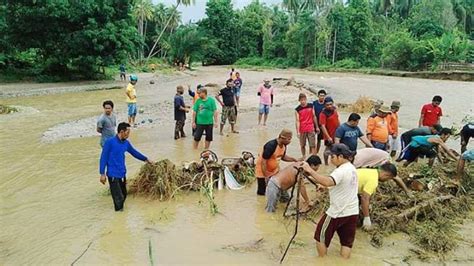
(132, 99)
(343, 212)
(393, 127)
(329, 122)
(421, 131)
(266, 93)
(431, 112)
(268, 161)
(378, 129)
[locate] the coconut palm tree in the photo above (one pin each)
(170, 18)
(142, 12)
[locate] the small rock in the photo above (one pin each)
(150, 120)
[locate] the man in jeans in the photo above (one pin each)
(343, 212)
(204, 118)
(106, 123)
(228, 105)
(112, 159)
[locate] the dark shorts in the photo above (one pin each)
(344, 226)
(467, 133)
(310, 137)
(200, 129)
(421, 151)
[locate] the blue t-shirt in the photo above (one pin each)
(318, 108)
(349, 135)
(179, 102)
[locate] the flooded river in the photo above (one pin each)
(53, 208)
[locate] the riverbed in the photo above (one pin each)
(53, 208)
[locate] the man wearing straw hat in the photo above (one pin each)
(378, 129)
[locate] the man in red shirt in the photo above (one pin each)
(306, 125)
(431, 113)
(329, 122)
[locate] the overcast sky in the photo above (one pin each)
(198, 10)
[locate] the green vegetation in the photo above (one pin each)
(66, 40)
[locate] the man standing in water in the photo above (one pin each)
(343, 212)
(112, 159)
(266, 92)
(237, 87)
(318, 108)
(204, 118)
(329, 122)
(268, 161)
(122, 72)
(306, 123)
(106, 123)
(180, 110)
(132, 99)
(228, 106)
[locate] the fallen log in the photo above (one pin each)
(407, 214)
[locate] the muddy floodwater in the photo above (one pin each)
(53, 208)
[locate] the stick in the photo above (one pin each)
(88, 246)
(150, 252)
(407, 214)
(298, 184)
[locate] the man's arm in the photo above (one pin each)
(218, 98)
(287, 158)
(216, 117)
(365, 203)
(136, 153)
(315, 121)
(326, 181)
(297, 120)
(401, 184)
(104, 158)
(443, 146)
(422, 116)
(129, 94)
(366, 141)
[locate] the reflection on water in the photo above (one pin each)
(53, 207)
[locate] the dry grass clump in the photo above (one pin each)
(362, 105)
(5, 109)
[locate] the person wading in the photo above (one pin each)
(343, 212)
(268, 161)
(112, 164)
(306, 124)
(329, 122)
(228, 106)
(318, 108)
(107, 122)
(132, 100)
(180, 110)
(204, 118)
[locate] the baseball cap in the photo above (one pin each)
(328, 99)
(200, 86)
(342, 149)
(438, 127)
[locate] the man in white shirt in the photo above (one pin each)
(343, 212)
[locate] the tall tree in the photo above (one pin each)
(361, 28)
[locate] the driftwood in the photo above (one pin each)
(407, 214)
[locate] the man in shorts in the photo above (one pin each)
(107, 122)
(204, 118)
(306, 124)
(132, 100)
(228, 106)
(467, 132)
(329, 122)
(343, 212)
(122, 70)
(285, 179)
(266, 92)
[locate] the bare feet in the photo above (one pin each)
(235, 132)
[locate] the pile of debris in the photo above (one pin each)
(163, 180)
(428, 216)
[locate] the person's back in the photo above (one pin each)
(368, 180)
(370, 157)
(418, 141)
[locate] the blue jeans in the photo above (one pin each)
(379, 145)
(237, 91)
(132, 109)
(264, 109)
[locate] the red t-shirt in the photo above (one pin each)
(331, 121)
(431, 114)
(306, 118)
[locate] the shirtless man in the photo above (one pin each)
(279, 184)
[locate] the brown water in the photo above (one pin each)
(53, 207)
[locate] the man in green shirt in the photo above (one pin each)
(204, 118)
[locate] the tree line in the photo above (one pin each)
(79, 39)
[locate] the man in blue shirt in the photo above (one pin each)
(113, 158)
(318, 106)
(349, 132)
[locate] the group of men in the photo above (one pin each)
(358, 171)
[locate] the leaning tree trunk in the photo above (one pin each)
(162, 32)
(334, 47)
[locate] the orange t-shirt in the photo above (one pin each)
(393, 123)
(272, 153)
(379, 129)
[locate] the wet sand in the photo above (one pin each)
(53, 206)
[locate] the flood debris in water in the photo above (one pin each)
(251, 246)
(163, 179)
(429, 216)
(6, 109)
(363, 104)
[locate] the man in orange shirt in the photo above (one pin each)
(393, 127)
(378, 129)
(268, 161)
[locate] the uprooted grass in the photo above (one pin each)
(362, 105)
(6, 109)
(429, 217)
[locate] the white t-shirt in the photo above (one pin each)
(343, 196)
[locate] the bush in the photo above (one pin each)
(347, 63)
